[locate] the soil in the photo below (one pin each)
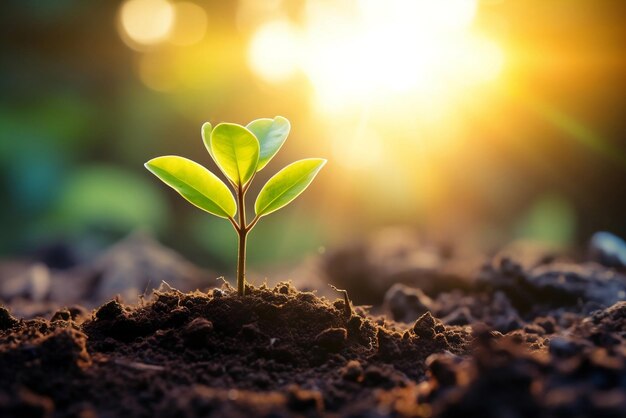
(274, 351)
(517, 339)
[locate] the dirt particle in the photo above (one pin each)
(61, 315)
(78, 313)
(110, 311)
(424, 325)
(442, 368)
(534, 329)
(375, 376)
(304, 400)
(251, 332)
(387, 344)
(64, 348)
(352, 371)
(339, 304)
(548, 324)
(441, 340)
(177, 317)
(406, 303)
(307, 297)
(483, 335)
(268, 311)
(332, 339)
(197, 332)
(6, 319)
(564, 348)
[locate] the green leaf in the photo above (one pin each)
(286, 185)
(236, 151)
(195, 183)
(272, 134)
(207, 128)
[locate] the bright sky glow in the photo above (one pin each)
(274, 51)
(375, 50)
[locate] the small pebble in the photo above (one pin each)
(424, 326)
(608, 249)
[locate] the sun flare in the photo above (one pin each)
(356, 52)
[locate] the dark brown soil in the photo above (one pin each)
(274, 352)
(516, 338)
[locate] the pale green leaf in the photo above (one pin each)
(207, 128)
(195, 183)
(286, 185)
(236, 151)
(272, 134)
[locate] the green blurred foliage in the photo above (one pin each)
(77, 123)
(285, 238)
(550, 220)
(108, 197)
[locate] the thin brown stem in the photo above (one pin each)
(247, 186)
(254, 221)
(243, 232)
(241, 264)
(234, 223)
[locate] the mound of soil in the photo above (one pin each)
(545, 337)
(275, 352)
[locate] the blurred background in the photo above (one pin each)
(475, 122)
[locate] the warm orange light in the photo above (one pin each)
(371, 51)
(156, 71)
(190, 24)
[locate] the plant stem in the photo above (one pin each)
(241, 263)
(243, 233)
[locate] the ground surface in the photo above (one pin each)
(518, 338)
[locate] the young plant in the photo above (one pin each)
(240, 152)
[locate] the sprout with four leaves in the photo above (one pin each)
(240, 152)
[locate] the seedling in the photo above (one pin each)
(240, 152)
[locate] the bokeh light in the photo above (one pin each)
(145, 22)
(190, 24)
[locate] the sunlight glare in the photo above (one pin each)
(273, 52)
(373, 51)
(420, 15)
(356, 150)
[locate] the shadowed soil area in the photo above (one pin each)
(516, 339)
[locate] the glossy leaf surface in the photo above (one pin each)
(286, 185)
(236, 151)
(195, 183)
(272, 134)
(207, 128)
